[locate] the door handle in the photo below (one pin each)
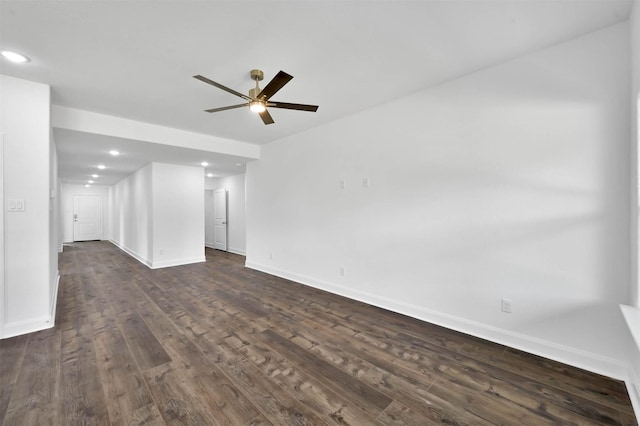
(224, 223)
(75, 217)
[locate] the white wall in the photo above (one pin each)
(66, 211)
(131, 215)
(2, 287)
(157, 215)
(634, 382)
(236, 212)
(30, 266)
(209, 228)
(635, 100)
(512, 182)
(178, 215)
(54, 226)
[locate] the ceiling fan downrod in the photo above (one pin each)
(258, 100)
(256, 105)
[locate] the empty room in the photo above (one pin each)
(319, 212)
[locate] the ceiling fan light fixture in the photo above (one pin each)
(257, 106)
(258, 100)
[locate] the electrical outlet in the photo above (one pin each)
(506, 306)
(343, 184)
(342, 271)
(365, 182)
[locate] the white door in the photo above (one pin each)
(220, 219)
(87, 218)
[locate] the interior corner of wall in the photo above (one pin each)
(54, 299)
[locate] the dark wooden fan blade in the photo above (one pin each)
(298, 107)
(266, 117)
(274, 85)
(220, 86)
(226, 108)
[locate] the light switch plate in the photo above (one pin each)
(16, 204)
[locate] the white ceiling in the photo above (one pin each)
(136, 59)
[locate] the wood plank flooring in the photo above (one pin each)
(219, 344)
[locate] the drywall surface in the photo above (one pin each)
(634, 31)
(178, 215)
(68, 192)
(236, 212)
(157, 215)
(634, 25)
(132, 216)
(509, 183)
(209, 229)
(91, 122)
(30, 272)
(54, 226)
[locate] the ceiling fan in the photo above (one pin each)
(259, 100)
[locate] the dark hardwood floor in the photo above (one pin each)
(217, 343)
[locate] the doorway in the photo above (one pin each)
(87, 218)
(220, 219)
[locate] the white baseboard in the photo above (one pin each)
(633, 388)
(159, 264)
(632, 316)
(133, 254)
(32, 325)
(551, 350)
(230, 249)
(177, 262)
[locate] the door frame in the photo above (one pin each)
(226, 218)
(73, 213)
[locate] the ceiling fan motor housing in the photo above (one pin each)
(258, 99)
(253, 93)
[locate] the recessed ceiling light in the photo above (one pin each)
(204, 164)
(87, 186)
(101, 166)
(94, 176)
(238, 164)
(14, 57)
(209, 174)
(90, 181)
(114, 152)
